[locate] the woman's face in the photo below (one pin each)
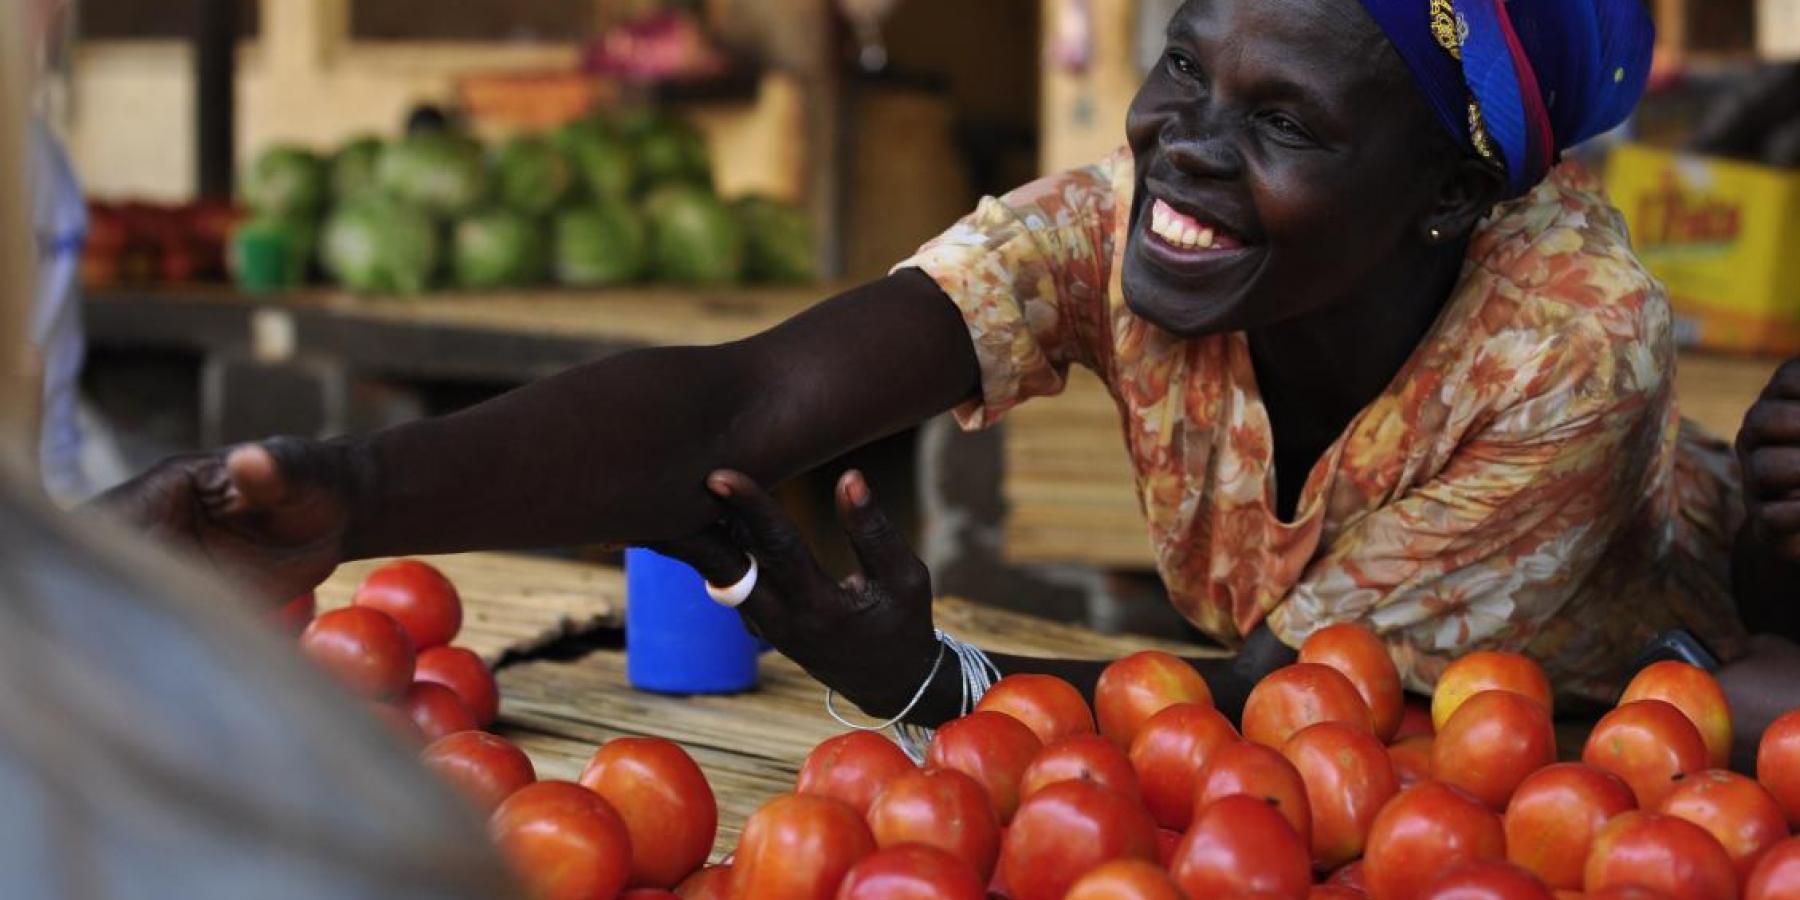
(1280, 166)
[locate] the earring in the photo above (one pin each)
(1436, 236)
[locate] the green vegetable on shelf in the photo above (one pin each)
(442, 173)
(779, 246)
(496, 249)
(534, 176)
(380, 246)
(694, 239)
(270, 253)
(353, 168)
(599, 244)
(285, 181)
(669, 151)
(604, 164)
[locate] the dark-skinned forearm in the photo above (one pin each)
(1766, 587)
(618, 450)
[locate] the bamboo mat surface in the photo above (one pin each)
(511, 603)
(750, 745)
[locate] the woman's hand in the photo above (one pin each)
(1769, 452)
(869, 636)
(275, 515)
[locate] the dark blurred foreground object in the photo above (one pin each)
(1759, 122)
(159, 739)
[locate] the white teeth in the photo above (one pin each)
(1206, 237)
(1177, 229)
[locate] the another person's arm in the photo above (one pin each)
(615, 450)
(1766, 566)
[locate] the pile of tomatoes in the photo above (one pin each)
(1332, 787)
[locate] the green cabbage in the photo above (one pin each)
(599, 244)
(498, 249)
(353, 168)
(285, 181)
(694, 239)
(778, 241)
(442, 173)
(380, 246)
(534, 176)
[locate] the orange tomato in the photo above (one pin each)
(1139, 686)
(1083, 757)
(1697, 694)
(1647, 743)
(1363, 658)
(435, 709)
(852, 767)
(1662, 853)
(1125, 879)
(940, 807)
(1778, 764)
(798, 847)
(418, 596)
(1735, 810)
(1066, 830)
(1246, 768)
(1488, 879)
(665, 801)
(486, 768)
(1242, 845)
(1168, 754)
(365, 648)
(1491, 743)
(460, 670)
(563, 841)
(911, 872)
(1554, 816)
(1487, 670)
(1049, 706)
(1348, 779)
(1412, 758)
(1423, 833)
(991, 747)
(1777, 875)
(1291, 698)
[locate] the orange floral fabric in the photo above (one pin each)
(1525, 483)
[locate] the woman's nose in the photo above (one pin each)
(1202, 149)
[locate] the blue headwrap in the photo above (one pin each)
(1519, 81)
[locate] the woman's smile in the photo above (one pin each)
(1189, 243)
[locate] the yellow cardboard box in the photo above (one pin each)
(1724, 237)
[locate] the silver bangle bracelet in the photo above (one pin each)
(978, 674)
(936, 664)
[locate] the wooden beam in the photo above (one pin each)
(20, 395)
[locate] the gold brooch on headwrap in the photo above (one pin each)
(1451, 31)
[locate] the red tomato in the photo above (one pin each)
(1662, 853)
(486, 768)
(1348, 779)
(1168, 754)
(1064, 831)
(1426, 831)
(364, 648)
(418, 596)
(1647, 743)
(1084, 757)
(563, 841)
(1141, 685)
(1411, 757)
(1363, 658)
(1626, 892)
(460, 670)
(991, 747)
(1049, 706)
(1487, 670)
(1242, 845)
(1351, 876)
(665, 801)
(710, 883)
(396, 718)
(1125, 879)
(1415, 719)
(1697, 694)
(1334, 892)
(436, 710)
(1491, 743)
(943, 808)
(294, 615)
(1167, 839)
(912, 872)
(1488, 879)
(1246, 768)
(1735, 810)
(1554, 815)
(649, 894)
(798, 846)
(1777, 875)
(852, 767)
(1291, 698)
(1778, 764)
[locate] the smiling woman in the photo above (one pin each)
(1379, 355)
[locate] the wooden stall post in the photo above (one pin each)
(19, 392)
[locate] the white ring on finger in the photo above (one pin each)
(735, 594)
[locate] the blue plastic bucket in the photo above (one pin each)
(677, 640)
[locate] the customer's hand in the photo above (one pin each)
(1769, 451)
(869, 636)
(274, 515)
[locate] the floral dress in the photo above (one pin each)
(1524, 483)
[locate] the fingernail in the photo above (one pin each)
(719, 485)
(856, 489)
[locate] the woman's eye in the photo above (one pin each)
(1181, 65)
(1285, 127)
